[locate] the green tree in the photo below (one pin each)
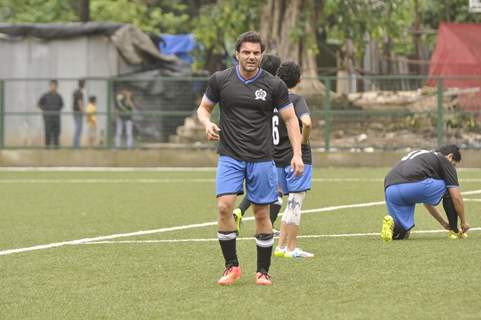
(219, 24)
(151, 16)
(36, 11)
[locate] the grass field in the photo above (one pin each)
(148, 276)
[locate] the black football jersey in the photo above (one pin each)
(246, 108)
(422, 164)
(282, 144)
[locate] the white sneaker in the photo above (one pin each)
(280, 252)
(298, 253)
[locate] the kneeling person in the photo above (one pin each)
(423, 177)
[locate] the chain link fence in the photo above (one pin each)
(384, 113)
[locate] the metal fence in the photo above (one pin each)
(385, 113)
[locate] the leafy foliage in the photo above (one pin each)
(219, 24)
(36, 11)
(216, 23)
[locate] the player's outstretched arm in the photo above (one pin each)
(458, 203)
(436, 215)
(203, 113)
(292, 124)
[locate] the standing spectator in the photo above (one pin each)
(51, 103)
(78, 112)
(125, 106)
(91, 112)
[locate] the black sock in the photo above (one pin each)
(244, 205)
(227, 241)
(399, 233)
(264, 242)
(448, 206)
(274, 211)
(275, 208)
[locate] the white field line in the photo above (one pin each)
(176, 228)
(309, 236)
(135, 169)
(108, 169)
(171, 180)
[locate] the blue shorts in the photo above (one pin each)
(401, 199)
(288, 182)
(260, 177)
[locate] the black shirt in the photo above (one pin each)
(77, 95)
(51, 102)
(246, 108)
(422, 164)
(282, 144)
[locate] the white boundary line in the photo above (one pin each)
(108, 169)
(176, 228)
(310, 236)
(134, 169)
(172, 180)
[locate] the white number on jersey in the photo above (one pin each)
(275, 130)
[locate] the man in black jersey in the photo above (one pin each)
(426, 177)
(294, 186)
(269, 63)
(247, 97)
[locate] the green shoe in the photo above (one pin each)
(280, 252)
(238, 219)
(460, 235)
(387, 228)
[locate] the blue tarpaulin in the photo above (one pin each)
(179, 44)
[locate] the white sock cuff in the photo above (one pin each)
(226, 236)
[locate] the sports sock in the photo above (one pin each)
(448, 206)
(399, 233)
(244, 205)
(275, 208)
(274, 212)
(227, 241)
(264, 243)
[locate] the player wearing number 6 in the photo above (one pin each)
(425, 177)
(293, 186)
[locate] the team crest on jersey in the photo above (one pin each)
(261, 94)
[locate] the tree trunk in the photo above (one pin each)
(278, 20)
(82, 9)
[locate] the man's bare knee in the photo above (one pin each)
(225, 206)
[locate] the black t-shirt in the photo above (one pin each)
(77, 95)
(51, 102)
(422, 164)
(246, 108)
(282, 144)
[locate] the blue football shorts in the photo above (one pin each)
(289, 182)
(260, 179)
(401, 199)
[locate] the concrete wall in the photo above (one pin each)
(189, 157)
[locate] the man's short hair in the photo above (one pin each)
(93, 99)
(250, 36)
(290, 73)
(53, 81)
(270, 63)
(451, 148)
